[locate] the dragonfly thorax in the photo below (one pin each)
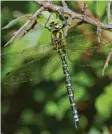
(58, 42)
(57, 36)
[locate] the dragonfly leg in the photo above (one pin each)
(47, 22)
(65, 20)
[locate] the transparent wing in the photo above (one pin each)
(36, 64)
(40, 62)
(41, 50)
(86, 51)
(24, 55)
(41, 69)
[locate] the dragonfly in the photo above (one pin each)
(37, 59)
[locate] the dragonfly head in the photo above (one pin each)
(54, 26)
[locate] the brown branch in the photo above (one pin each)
(99, 33)
(74, 15)
(107, 61)
(30, 21)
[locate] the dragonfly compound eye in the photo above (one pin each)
(49, 27)
(58, 26)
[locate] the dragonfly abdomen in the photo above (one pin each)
(58, 41)
(70, 89)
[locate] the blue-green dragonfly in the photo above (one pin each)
(80, 50)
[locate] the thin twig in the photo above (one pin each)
(64, 4)
(108, 12)
(84, 8)
(99, 33)
(107, 61)
(74, 15)
(30, 21)
(50, 1)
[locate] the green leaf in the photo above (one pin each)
(17, 20)
(100, 7)
(84, 79)
(39, 95)
(61, 90)
(63, 106)
(28, 116)
(51, 108)
(58, 110)
(104, 102)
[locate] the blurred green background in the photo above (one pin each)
(36, 102)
